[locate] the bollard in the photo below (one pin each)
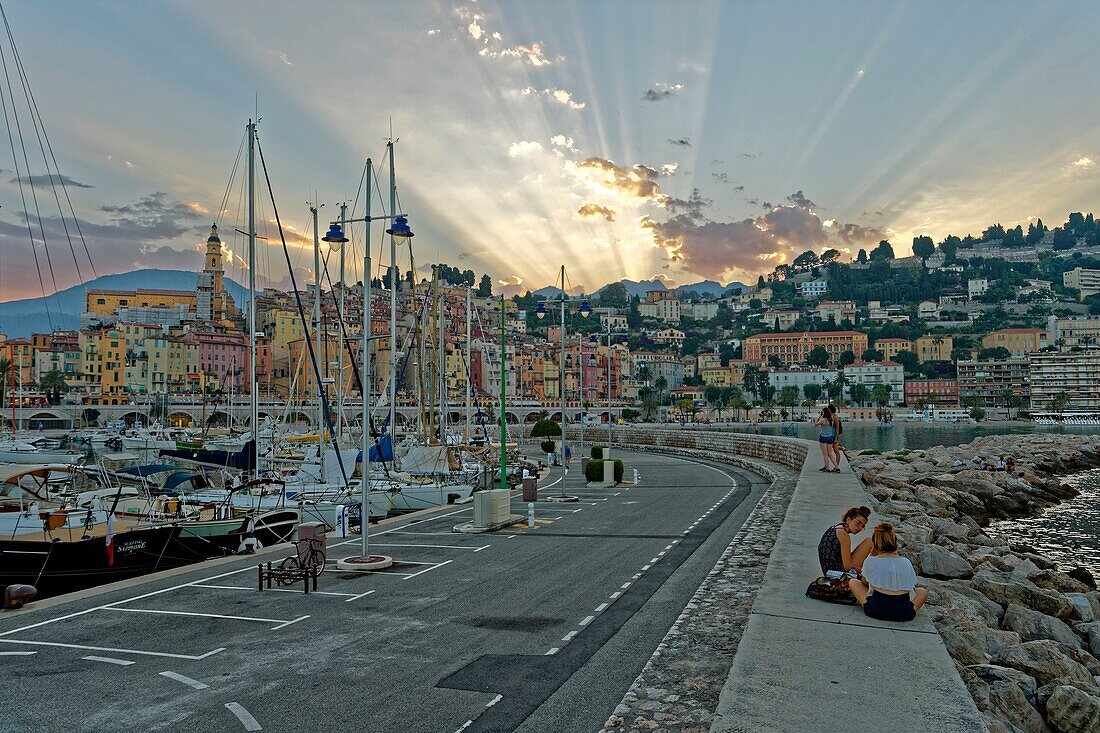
(530, 514)
(637, 477)
(260, 569)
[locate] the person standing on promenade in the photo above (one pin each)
(825, 437)
(837, 447)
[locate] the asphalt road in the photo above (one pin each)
(525, 629)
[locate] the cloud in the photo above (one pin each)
(662, 277)
(524, 148)
(475, 30)
(530, 54)
(561, 96)
(43, 179)
(637, 183)
(721, 177)
(1083, 163)
(856, 235)
(492, 42)
(513, 280)
(433, 32)
(799, 199)
(668, 169)
(154, 216)
(594, 210)
(563, 142)
(692, 206)
(661, 92)
(683, 142)
(281, 55)
(752, 200)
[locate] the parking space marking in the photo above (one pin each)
(552, 652)
(196, 614)
(435, 547)
(110, 660)
(569, 636)
(601, 608)
(586, 620)
(280, 590)
(189, 657)
(16, 654)
(193, 684)
(249, 723)
(428, 570)
(356, 598)
(288, 623)
(494, 701)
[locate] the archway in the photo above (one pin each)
(217, 419)
(181, 420)
(132, 418)
(47, 421)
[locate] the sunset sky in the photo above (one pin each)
(683, 140)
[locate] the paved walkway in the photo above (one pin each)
(805, 666)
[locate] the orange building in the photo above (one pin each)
(795, 348)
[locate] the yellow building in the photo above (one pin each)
(301, 367)
(103, 361)
(934, 347)
(280, 327)
(107, 302)
(891, 347)
(1019, 341)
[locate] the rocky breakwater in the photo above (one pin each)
(1024, 633)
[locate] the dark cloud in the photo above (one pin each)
(43, 179)
(153, 216)
(594, 210)
(692, 206)
(752, 200)
(767, 205)
(738, 188)
(750, 155)
(799, 199)
(683, 142)
(721, 177)
(662, 92)
(858, 235)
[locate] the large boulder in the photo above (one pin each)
(955, 595)
(991, 673)
(936, 562)
(1082, 607)
(1032, 626)
(1070, 710)
(1013, 705)
(1044, 660)
(1006, 589)
(1057, 580)
(970, 641)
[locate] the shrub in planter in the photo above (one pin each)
(594, 470)
(547, 446)
(597, 453)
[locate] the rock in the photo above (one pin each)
(1022, 567)
(1083, 575)
(1044, 660)
(990, 673)
(1094, 601)
(1057, 580)
(970, 641)
(937, 562)
(1033, 626)
(1082, 609)
(956, 595)
(1013, 705)
(948, 529)
(1091, 632)
(1070, 710)
(901, 509)
(1006, 589)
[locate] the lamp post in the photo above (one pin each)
(336, 239)
(540, 313)
(607, 455)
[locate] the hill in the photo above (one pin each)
(29, 315)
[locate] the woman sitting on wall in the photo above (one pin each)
(835, 551)
(888, 580)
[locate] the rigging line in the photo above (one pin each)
(40, 132)
(229, 183)
(49, 145)
(30, 177)
(23, 197)
(325, 409)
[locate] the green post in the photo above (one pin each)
(503, 404)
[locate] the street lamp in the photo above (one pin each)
(625, 340)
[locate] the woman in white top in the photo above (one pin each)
(887, 580)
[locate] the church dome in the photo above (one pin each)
(213, 239)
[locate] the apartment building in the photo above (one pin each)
(1019, 341)
(1085, 281)
(933, 391)
(934, 347)
(874, 373)
(1074, 331)
(989, 380)
(795, 348)
(837, 311)
(890, 347)
(1074, 373)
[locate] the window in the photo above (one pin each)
(101, 301)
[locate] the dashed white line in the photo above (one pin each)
(616, 594)
(484, 546)
(601, 608)
(16, 654)
(646, 567)
(194, 684)
(586, 620)
(569, 636)
(552, 652)
(654, 560)
(356, 598)
(624, 586)
(110, 660)
(635, 576)
(288, 623)
(494, 701)
(464, 726)
(243, 715)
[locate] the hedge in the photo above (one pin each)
(594, 470)
(597, 452)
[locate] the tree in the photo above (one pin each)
(750, 381)
(950, 247)
(923, 247)
(847, 358)
(629, 414)
(1059, 401)
(977, 414)
(89, 416)
(546, 429)
(713, 395)
(837, 391)
(634, 315)
(737, 402)
(873, 355)
(860, 393)
(818, 357)
(880, 394)
(997, 353)
(649, 408)
(882, 252)
(685, 406)
(53, 384)
(6, 377)
(661, 384)
(812, 391)
(485, 287)
(644, 375)
(614, 295)
(788, 396)
(775, 362)
(861, 257)
(908, 360)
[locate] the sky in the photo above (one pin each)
(636, 139)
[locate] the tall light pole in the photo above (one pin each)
(340, 383)
(394, 280)
(607, 455)
(253, 397)
(321, 426)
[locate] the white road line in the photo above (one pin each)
(284, 624)
(635, 576)
(511, 536)
(428, 570)
(494, 701)
(616, 594)
(188, 657)
(198, 615)
(569, 636)
(586, 620)
(601, 608)
(356, 598)
(654, 560)
(483, 547)
(577, 510)
(662, 553)
(552, 652)
(464, 726)
(434, 547)
(624, 586)
(110, 660)
(646, 567)
(16, 654)
(243, 715)
(193, 684)
(252, 589)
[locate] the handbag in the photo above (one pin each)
(831, 590)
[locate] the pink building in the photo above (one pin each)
(222, 356)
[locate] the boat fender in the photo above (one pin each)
(16, 596)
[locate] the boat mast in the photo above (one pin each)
(469, 328)
(321, 426)
(365, 440)
(253, 397)
(340, 335)
(394, 279)
(442, 367)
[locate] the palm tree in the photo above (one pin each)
(839, 384)
(737, 401)
(661, 384)
(860, 393)
(649, 408)
(1059, 402)
(880, 393)
(53, 384)
(6, 376)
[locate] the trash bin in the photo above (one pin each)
(310, 530)
(530, 488)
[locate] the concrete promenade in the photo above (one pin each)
(803, 665)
